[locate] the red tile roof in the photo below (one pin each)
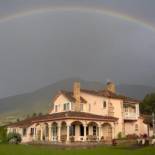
(109, 94)
(63, 116)
(70, 96)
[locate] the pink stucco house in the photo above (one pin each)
(84, 115)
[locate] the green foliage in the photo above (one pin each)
(17, 120)
(119, 136)
(14, 138)
(148, 104)
(34, 114)
(3, 134)
(40, 114)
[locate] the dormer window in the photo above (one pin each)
(81, 107)
(56, 108)
(66, 107)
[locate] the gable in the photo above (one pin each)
(61, 99)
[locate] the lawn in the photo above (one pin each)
(36, 150)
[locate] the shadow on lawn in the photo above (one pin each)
(131, 147)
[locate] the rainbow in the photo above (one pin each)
(80, 9)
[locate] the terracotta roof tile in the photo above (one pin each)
(109, 94)
(70, 96)
(63, 116)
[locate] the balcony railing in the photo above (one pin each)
(130, 116)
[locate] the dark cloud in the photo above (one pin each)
(42, 48)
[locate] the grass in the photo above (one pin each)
(6, 149)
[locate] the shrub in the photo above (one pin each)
(132, 136)
(3, 135)
(119, 136)
(14, 138)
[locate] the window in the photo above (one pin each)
(32, 132)
(66, 106)
(136, 127)
(72, 130)
(126, 109)
(81, 130)
(81, 107)
(94, 130)
(24, 132)
(56, 108)
(14, 130)
(104, 104)
(54, 130)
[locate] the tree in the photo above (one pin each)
(34, 114)
(18, 120)
(148, 104)
(40, 114)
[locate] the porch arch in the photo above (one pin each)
(106, 131)
(54, 131)
(45, 131)
(77, 130)
(63, 129)
(38, 132)
(92, 129)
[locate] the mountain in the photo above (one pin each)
(19, 106)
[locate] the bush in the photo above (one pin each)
(119, 136)
(14, 138)
(132, 136)
(3, 135)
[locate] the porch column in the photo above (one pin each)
(49, 132)
(85, 136)
(34, 134)
(59, 132)
(68, 128)
(41, 133)
(113, 132)
(99, 132)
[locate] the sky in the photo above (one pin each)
(44, 41)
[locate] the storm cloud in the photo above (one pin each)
(42, 48)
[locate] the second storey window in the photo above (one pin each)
(56, 108)
(81, 107)
(104, 104)
(66, 107)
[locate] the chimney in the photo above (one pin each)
(110, 86)
(76, 94)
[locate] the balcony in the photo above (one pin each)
(130, 116)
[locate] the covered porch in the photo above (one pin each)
(69, 131)
(76, 131)
(67, 127)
